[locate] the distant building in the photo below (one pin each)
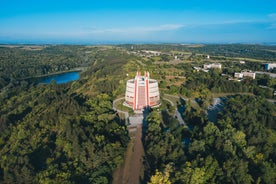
(155, 53)
(238, 75)
(242, 62)
(142, 92)
(245, 74)
(197, 68)
(213, 65)
(249, 74)
(200, 69)
(269, 66)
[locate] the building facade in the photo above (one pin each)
(245, 74)
(238, 75)
(269, 66)
(142, 92)
(249, 74)
(213, 65)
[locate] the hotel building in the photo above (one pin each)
(142, 92)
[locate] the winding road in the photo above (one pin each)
(120, 111)
(177, 114)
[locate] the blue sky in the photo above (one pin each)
(173, 21)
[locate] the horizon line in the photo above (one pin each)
(127, 42)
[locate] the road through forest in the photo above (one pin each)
(132, 169)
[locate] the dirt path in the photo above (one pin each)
(132, 170)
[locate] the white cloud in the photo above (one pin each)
(272, 26)
(141, 30)
(272, 16)
(272, 21)
(228, 22)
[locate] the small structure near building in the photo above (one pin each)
(249, 74)
(200, 69)
(242, 62)
(238, 75)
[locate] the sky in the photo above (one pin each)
(151, 21)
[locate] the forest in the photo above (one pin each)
(69, 133)
(19, 62)
(56, 134)
(239, 148)
(206, 84)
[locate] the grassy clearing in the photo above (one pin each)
(119, 105)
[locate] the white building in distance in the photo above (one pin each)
(155, 53)
(238, 75)
(249, 74)
(213, 65)
(245, 74)
(269, 66)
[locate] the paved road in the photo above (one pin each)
(132, 170)
(169, 101)
(273, 75)
(179, 118)
(136, 164)
(134, 120)
(176, 96)
(123, 112)
(214, 109)
(271, 100)
(177, 114)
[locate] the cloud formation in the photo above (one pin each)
(141, 30)
(272, 18)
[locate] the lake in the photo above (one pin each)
(61, 78)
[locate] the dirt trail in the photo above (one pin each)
(132, 170)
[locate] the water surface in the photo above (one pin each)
(61, 78)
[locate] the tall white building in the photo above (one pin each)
(142, 92)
